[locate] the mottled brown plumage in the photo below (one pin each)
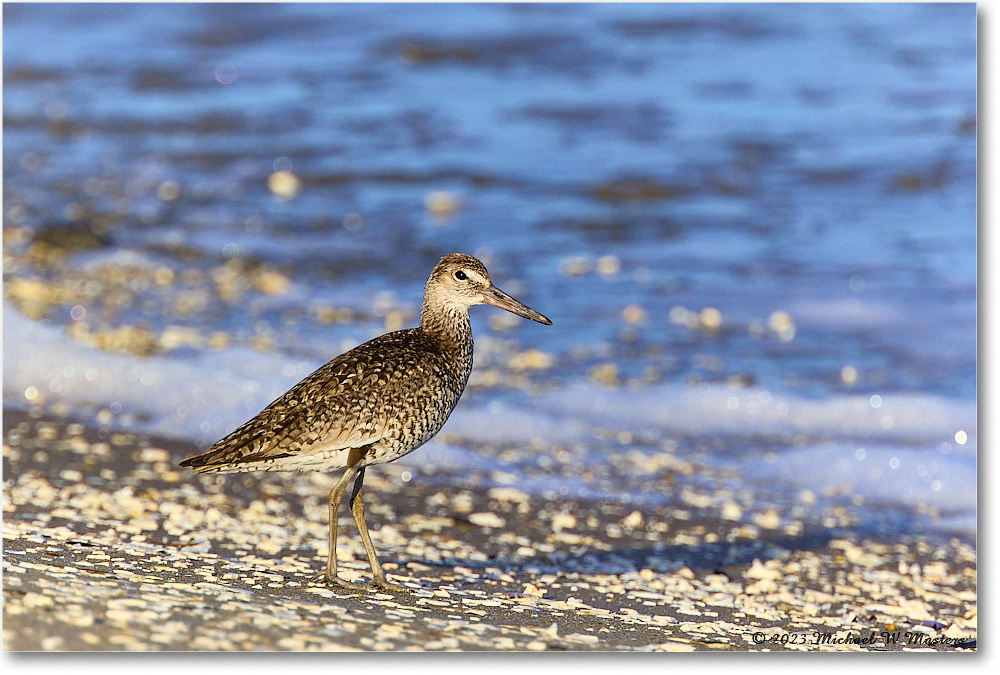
(373, 404)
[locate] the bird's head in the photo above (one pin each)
(459, 281)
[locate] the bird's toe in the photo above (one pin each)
(327, 580)
(383, 585)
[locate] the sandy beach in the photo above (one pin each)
(109, 546)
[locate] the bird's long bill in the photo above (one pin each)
(494, 296)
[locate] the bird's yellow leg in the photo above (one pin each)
(336, 496)
(358, 510)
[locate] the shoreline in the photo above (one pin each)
(108, 545)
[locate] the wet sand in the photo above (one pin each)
(107, 545)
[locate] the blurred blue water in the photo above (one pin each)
(817, 160)
(795, 147)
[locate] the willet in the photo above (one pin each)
(373, 404)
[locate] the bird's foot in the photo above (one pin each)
(383, 585)
(334, 580)
(348, 586)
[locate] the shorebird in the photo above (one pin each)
(372, 404)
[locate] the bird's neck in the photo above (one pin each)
(449, 325)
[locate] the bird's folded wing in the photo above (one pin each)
(286, 429)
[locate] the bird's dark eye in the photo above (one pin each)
(461, 276)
